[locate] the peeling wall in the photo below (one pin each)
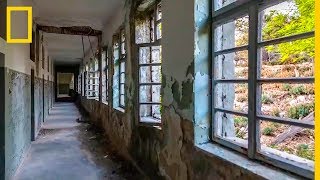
(18, 121)
(16, 87)
(169, 152)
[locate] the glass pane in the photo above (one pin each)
(145, 94)
(122, 103)
(145, 74)
(156, 94)
(156, 74)
(232, 128)
(116, 51)
(159, 12)
(288, 143)
(287, 18)
(231, 34)
(231, 96)
(291, 59)
(159, 31)
(152, 112)
(144, 55)
(231, 65)
(122, 89)
(122, 67)
(122, 78)
(294, 101)
(143, 31)
(150, 93)
(156, 54)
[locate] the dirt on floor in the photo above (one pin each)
(94, 141)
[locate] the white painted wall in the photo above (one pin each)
(17, 56)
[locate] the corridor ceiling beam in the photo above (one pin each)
(73, 30)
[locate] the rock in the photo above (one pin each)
(293, 102)
(282, 114)
(301, 99)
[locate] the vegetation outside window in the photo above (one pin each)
(263, 80)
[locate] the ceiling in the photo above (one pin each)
(94, 13)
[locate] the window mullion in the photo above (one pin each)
(253, 123)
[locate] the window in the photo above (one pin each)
(119, 56)
(93, 80)
(79, 83)
(148, 36)
(263, 84)
(105, 75)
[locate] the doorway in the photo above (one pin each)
(33, 131)
(43, 101)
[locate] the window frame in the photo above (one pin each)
(106, 71)
(228, 13)
(152, 14)
(122, 58)
(92, 74)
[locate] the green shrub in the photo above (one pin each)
(299, 90)
(305, 151)
(268, 131)
(240, 121)
(242, 98)
(300, 111)
(275, 112)
(265, 99)
(286, 87)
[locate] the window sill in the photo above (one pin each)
(105, 103)
(259, 169)
(150, 122)
(120, 109)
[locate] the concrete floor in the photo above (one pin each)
(67, 150)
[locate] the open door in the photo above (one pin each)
(33, 128)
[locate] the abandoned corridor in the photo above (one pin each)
(167, 89)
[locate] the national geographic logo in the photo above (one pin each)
(11, 9)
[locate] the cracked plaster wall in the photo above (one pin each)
(17, 102)
(169, 153)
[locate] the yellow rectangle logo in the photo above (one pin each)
(10, 9)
